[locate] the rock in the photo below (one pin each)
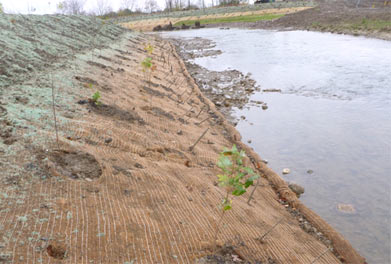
(249, 141)
(157, 28)
(139, 166)
(297, 189)
(265, 161)
(184, 26)
(179, 132)
(307, 227)
(82, 102)
(310, 171)
(346, 208)
(286, 171)
(108, 140)
(264, 107)
(272, 90)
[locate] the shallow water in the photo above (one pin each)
(333, 117)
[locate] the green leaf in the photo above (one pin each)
(227, 207)
(223, 179)
(224, 162)
(239, 191)
(234, 149)
(248, 170)
(250, 181)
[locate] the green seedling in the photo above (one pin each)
(149, 48)
(148, 68)
(147, 64)
(235, 179)
(95, 98)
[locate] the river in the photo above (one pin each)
(330, 124)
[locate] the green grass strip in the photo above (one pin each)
(247, 18)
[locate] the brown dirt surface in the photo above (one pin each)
(333, 16)
(155, 201)
(75, 164)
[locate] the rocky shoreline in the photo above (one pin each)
(227, 89)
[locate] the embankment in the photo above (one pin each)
(121, 185)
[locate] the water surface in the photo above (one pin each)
(333, 117)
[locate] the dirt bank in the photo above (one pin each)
(121, 184)
(335, 17)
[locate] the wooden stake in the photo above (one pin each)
(202, 109)
(253, 191)
(198, 140)
(54, 113)
(321, 255)
(202, 121)
(268, 232)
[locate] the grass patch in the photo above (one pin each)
(372, 24)
(247, 18)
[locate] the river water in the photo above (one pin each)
(332, 117)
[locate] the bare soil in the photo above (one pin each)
(336, 17)
(75, 164)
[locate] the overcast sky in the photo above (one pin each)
(49, 6)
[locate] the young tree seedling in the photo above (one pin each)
(235, 179)
(148, 68)
(149, 49)
(95, 98)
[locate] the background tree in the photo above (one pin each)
(103, 7)
(71, 7)
(128, 4)
(1, 8)
(151, 5)
(169, 5)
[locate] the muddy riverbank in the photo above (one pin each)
(335, 17)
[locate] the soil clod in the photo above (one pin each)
(75, 164)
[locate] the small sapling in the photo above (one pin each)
(235, 179)
(95, 98)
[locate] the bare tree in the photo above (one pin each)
(128, 4)
(151, 5)
(103, 7)
(169, 5)
(71, 7)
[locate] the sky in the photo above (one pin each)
(49, 6)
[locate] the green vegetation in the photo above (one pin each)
(236, 178)
(95, 98)
(248, 18)
(1, 8)
(372, 24)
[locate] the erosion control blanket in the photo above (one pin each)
(121, 184)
